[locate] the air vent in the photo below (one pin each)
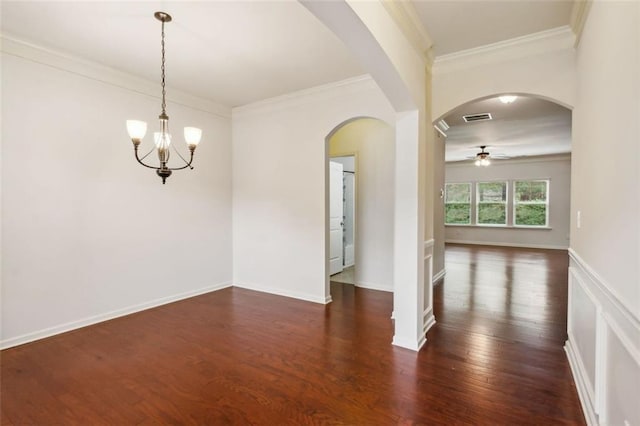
(477, 117)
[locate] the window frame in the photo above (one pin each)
(546, 203)
(506, 204)
(470, 202)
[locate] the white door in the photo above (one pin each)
(335, 217)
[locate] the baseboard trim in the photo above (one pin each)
(279, 292)
(438, 276)
(85, 322)
(579, 377)
(373, 286)
(500, 244)
(414, 345)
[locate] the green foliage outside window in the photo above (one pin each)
(530, 203)
(457, 204)
(492, 203)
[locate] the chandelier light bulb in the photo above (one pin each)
(162, 140)
(477, 162)
(192, 136)
(136, 129)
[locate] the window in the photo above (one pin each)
(491, 203)
(457, 204)
(531, 203)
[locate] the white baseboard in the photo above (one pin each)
(414, 345)
(280, 292)
(579, 377)
(429, 320)
(501, 244)
(439, 275)
(73, 325)
(374, 286)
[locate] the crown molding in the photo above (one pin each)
(406, 17)
(305, 96)
(556, 39)
(579, 14)
(64, 61)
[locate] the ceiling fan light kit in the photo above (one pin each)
(482, 158)
(137, 129)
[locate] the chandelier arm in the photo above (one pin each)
(140, 159)
(147, 154)
(186, 165)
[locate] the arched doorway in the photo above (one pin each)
(369, 143)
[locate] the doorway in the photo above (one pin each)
(364, 149)
(343, 194)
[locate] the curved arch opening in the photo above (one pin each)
(512, 125)
(360, 166)
(511, 144)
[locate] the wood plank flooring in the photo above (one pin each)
(239, 357)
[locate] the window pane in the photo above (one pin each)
(531, 214)
(531, 191)
(457, 213)
(492, 203)
(492, 213)
(458, 193)
(491, 192)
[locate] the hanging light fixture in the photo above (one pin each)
(137, 129)
(482, 158)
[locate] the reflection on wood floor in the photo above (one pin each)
(242, 357)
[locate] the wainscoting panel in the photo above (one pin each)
(428, 320)
(603, 348)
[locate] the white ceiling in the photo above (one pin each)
(233, 53)
(526, 127)
(238, 52)
(456, 25)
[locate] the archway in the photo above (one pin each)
(371, 143)
(530, 128)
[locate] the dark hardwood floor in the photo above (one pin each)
(235, 356)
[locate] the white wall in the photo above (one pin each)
(372, 142)
(279, 222)
(604, 304)
(87, 233)
(557, 169)
(438, 207)
(542, 64)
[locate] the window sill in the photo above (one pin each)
(542, 228)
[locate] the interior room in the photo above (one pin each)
(171, 252)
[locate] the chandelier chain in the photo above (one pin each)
(164, 92)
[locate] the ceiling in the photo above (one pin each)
(232, 52)
(526, 127)
(238, 52)
(461, 25)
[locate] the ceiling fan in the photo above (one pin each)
(482, 158)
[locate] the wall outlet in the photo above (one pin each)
(579, 219)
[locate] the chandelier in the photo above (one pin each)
(137, 129)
